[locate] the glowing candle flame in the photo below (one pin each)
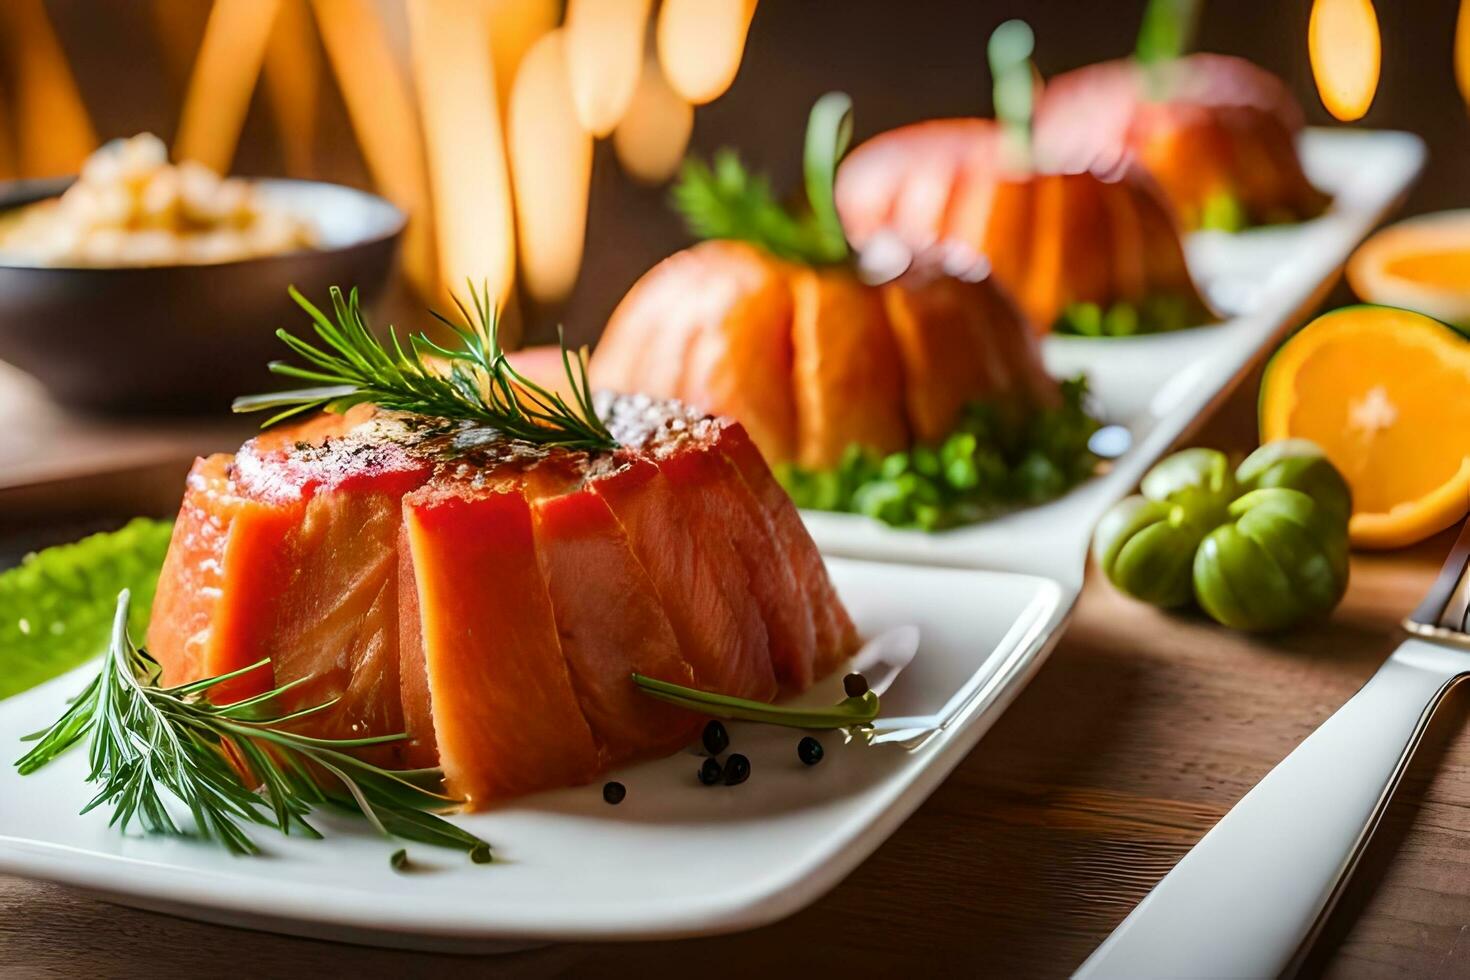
(293, 73)
(551, 162)
(450, 44)
(700, 43)
(1345, 50)
(515, 25)
(604, 42)
(54, 132)
(380, 105)
(1462, 50)
(224, 77)
(652, 136)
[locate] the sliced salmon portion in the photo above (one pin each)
(849, 384)
(333, 617)
(704, 588)
(944, 343)
(737, 529)
(506, 719)
(835, 636)
(611, 624)
(490, 599)
(213, 609)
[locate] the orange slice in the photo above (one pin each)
(1383, 392)
(1421, 264)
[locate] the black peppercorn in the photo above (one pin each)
(715, 738)
(614, 793)
(856, 685)
(809, 751)
(711, 772)
(737, 770)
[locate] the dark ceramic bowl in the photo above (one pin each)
(186, 338)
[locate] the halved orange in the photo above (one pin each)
(1421, 264)
(1386, 393)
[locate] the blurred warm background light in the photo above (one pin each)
(651, 138)
(604, 57)
(224, 78)
(1345, 50)
(477, 118)
(551, 159)
(700, 43)
(53, 133)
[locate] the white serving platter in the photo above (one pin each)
(677, 858)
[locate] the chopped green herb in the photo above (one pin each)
(1160, 313)
(995, 460)
(56, 606)
(1222, 211)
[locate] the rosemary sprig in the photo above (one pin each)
(727, 201)
(148, 743)
(847, 714)
(474, 382)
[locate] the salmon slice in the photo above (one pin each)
(849, 384)
(212, 610)
(836, 637)
(704, 588)
(506, 720)
(333, 614)
(943, 343)
(611, 624)
(718, 500)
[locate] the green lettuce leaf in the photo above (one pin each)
(56, 606)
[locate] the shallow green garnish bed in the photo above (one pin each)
(994, 460)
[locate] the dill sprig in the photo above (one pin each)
(148, 744)
(725, 200)
(474, 382)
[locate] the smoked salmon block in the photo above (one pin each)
(1078, 223)
(1205, 126)
(487, 599)
(816, 359)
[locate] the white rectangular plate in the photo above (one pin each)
(1158, 385)
(676, 858)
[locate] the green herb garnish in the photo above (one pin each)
(1014, 83)
(148, 744)
(1159, 313)
(1222, 211)
(850, 713)
(56, 606)
(726, 201)
(996, 459)
(475, 382)
(1166, 31)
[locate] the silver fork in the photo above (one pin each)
(1251, 896)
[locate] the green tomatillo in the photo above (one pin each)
(1259, 548)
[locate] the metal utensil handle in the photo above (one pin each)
(1257, 887)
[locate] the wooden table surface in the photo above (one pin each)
(1137, 735)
